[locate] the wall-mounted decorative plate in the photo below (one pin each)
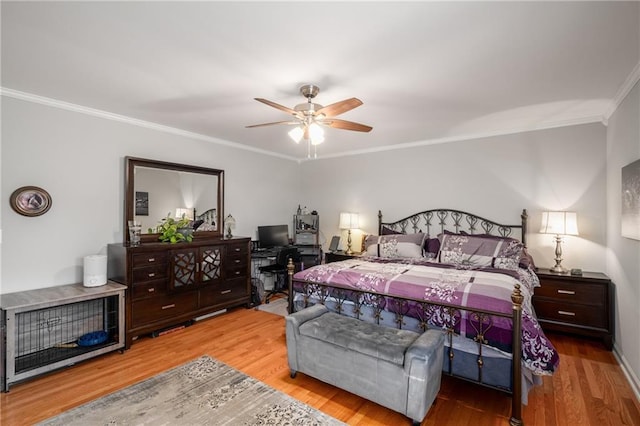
(30, 201)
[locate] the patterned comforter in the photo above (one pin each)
(484, 288)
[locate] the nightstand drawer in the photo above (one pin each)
(568, 292)
(581, 315)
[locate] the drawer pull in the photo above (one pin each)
(151, 290)
(237, 249)
(566, 292)
(571, 314)
(152, 274)
(173, 305)
(237, 272)
(225, 292)
(152, 259)
(238, 261)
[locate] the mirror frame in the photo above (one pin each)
(129, 188)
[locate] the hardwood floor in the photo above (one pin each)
(588, 389)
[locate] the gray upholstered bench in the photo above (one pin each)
(398, 369)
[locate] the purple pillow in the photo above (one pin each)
(432, 245)
(526, 260)
(389, 231)
(475, 251)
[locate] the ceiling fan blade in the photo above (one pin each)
(278, 106)
(347, 125)
(339, 107)
(271, 124)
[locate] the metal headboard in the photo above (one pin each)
(436, 221)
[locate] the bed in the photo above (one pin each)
(447, 269)
(205, 221)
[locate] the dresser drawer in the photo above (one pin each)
(230, 289)
(162, 307)
(238, 250)
(235, 270)
(570, 292)
(148, 289)
(150, 273)
(581, 315)
(146, 259)
(236, 261)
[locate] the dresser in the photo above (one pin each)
(581, 305)
(171, 284)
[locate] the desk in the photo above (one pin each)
(258, 259)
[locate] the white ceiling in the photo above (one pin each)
(426, 71)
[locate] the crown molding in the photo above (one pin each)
(192, 135)
(624, 90)
(132, 121)
(470, 136)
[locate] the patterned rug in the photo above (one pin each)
(202, 392)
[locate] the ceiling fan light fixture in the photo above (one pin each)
(308, 118)
(296, 134)
(316, 133)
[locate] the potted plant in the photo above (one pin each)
(174, 231)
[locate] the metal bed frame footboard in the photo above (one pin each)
(449, 316)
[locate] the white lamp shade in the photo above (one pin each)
(296, 134)
(316, 134)
(559, 223)
(187, 213)
(349, 220)
(230, 222)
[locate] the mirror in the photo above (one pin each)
(155, 189)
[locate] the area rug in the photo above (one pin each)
(277, 306)
(202, 392)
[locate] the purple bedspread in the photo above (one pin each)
(485, 288)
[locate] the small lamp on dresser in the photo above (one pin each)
(559, 223)
(349, 221)
(229, 224)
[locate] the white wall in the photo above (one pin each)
(493, 177)
(79, 160)
(623, 254)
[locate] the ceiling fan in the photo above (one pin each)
(310, 116)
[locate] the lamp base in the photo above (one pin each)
(558, 269)
(349, 251)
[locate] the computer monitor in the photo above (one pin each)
(273, 236)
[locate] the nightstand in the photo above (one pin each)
(337, 256)
(577, 304)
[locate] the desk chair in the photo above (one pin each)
(279, 271)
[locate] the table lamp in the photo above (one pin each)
(229, 224)
(559, 223)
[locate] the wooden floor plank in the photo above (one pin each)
(589, 388)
